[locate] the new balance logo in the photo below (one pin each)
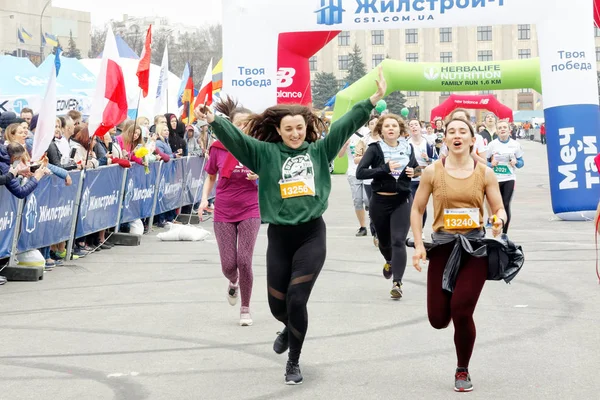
(330, 12)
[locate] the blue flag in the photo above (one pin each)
(57, 59)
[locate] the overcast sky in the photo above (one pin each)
(188, 12)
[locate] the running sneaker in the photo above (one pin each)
(245, 317)
(387, 270)
(49, 266)
(293, 376)
(282, 343)
(361, 232)
(462, 380)
(396, 292)
(232, 293)
(3, 280)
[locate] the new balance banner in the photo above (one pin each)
(100, 200)
(194, 180)
(170, 187)
(48, 213)
(140, 189)
(8, 220)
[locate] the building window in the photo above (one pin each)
(524, 90)
(341, 83)
(377, 38)
(446, 93)
(526, 106)
(412, 94)
(377, 59)
(412, 57)
(524, 32)
(445, 35)
(412, 36)
(312, 62)
(446, 56)
(486, 92)
(484, 55)
(343, 62)
(597, 53)
(597, 31)
(524, 53)
(484, 33)
(344, 38)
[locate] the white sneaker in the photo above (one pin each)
(232, 294)
(245, 319)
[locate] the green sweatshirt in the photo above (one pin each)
(295, 184)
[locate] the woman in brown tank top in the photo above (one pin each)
(459, 185)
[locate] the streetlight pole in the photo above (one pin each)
(42, 30)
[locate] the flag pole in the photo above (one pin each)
(137, 110)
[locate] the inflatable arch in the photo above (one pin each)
(567, 63)
(437, 77)
(478, 102)
(293, 73)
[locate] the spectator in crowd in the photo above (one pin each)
(543, 133)
(176, 135)
(192, 141)
(55, 155)
(129, 141)
(162, 143)
(15, 155)
(27, 115)
(83, 145)
(158, 119)
(76, 117)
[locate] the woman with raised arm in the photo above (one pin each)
(456, 273)
(284, 149)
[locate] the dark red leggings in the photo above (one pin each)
(459, 306)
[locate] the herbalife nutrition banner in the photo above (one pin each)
(48, 213)
(8, 220)
(139, 192)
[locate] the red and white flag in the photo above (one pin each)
(44, 132)
(143, 71)
(206, 91)
(109, 104)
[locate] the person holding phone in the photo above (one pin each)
(459, 185)
(391, 164)
(284, 147)
(14, 157)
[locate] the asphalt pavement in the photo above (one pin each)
(153, 322)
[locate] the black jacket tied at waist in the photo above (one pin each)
(505, 258)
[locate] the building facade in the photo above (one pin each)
(36, 17)
(457, 44)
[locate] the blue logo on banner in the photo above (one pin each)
(31, 214)
(84, 205)
(19, 104)
(128, 194)
(48, 213)
(8, 216)
(161, 189)
(330, 13)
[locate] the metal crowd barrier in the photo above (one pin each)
(98, 199)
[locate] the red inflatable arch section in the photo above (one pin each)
(597, 12)
(293, 73)
(478, 102)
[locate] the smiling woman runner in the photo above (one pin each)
(390, 163)
(458, 184)
(295, 183)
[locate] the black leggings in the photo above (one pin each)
(391, 215)
(506, 191)
(295, 257)
(414, 185)
(369, 193)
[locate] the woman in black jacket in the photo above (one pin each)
(391, 164)
(176, 136)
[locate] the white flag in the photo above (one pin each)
(44, 133)
(162, 92)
